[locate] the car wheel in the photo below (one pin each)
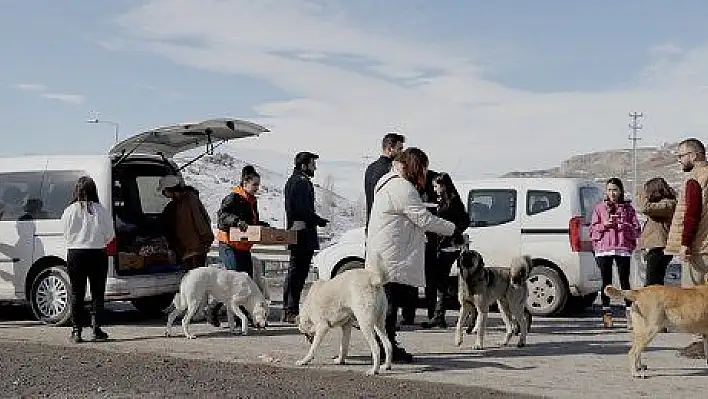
(350, 265)
(50, 296)
(153, 305)
(547, 291)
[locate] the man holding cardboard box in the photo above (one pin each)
(301, 216)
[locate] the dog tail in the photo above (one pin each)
(379, 275)
(614, 292)
(520, 270)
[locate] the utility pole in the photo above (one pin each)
(635, 127)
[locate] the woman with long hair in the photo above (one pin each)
(657, 201)
(450, 208)
(396, 235)
(88, 229)
(614, 229)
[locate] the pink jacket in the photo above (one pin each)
(622, 236)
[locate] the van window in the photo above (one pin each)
(151, 201)
(538, 201)
(57, 191)
(19, 194)
(491, 207)
(589, 197)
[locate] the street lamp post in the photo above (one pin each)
(114, 124)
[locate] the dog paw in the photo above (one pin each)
(301, 362)
(372, 372)
(191, 336)
(458, 341)
(478, 347)
(639, 375)
(387, 367)
(338, 360)
(520, 344)
(168, 334)
(643, 367)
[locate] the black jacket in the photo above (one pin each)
(234, 208)
(300, 206)
(428, 196)
(373, 174)
(456, 213)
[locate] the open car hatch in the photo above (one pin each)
(168, 141)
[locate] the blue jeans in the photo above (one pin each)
(237, 260)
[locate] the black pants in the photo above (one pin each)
(657, 262)
(83, 264)
(299, 268)
(431, 278)
(195, 261)
(443, 265)
(605, 265)
(397, 295)
(235, 259)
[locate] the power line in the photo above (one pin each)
(635, 127)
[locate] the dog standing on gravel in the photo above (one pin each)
(354, 296)
(230, 287)
(479, 287)
(656, 307)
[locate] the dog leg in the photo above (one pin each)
(523, 325)
(191, 311)
(471, 325)
(320, 332)
(230, 320)
(173, 316)
(380, 329)
(506, 317)
(344, 345)
(481, 326)
(643, 335)
(367, 328)
(465, 310)
(244, 320)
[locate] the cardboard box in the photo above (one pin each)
(263, 235)
(130, 261)
(157, 259)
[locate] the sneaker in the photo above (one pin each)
(607, 317)
(76, 336)
(693, 351)
(434, 323)
(99, 335)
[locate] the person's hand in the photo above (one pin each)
(685, 253)
(322, 222)
(243, 226)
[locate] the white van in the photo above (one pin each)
(546, 218)
(35, 190)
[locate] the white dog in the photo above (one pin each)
(230, 287)
(355, 295)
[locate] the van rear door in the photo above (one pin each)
(174, 139)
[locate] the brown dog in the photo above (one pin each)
(656, 307)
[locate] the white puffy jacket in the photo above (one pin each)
(396, 231)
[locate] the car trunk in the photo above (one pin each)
(141, 245)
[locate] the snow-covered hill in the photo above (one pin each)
(215, 175)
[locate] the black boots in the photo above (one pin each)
(98, 334)
(76, 335)
(212, 314)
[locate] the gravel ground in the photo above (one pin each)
(37, 370)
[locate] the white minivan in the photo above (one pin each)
(35, 190)
(546, 218)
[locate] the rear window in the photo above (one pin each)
(150, 199)
(589, 197)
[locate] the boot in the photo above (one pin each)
(76, 335)
(628, 316)
(435, 322)
(606, 317)
(98, 334)
(212, 314)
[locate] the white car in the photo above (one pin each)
(546, 218)
(35, 190)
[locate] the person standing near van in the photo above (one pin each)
(88, 229)
(187, 223)
(614, 229)
(688, 235)
(657, 201)
(301, 216)
(238, 209)
(450, 208)
(391, 145)
(399, 220)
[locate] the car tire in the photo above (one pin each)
(350, 265)
(548, 291)
(153, 306)
(50, 296)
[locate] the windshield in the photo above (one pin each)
(589, 197)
